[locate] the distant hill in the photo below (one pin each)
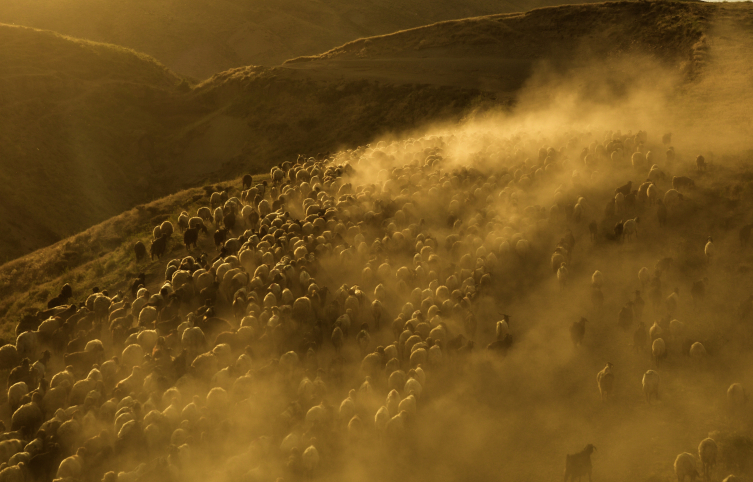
(202, 37)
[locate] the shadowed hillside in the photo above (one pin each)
(202, 37)
(78, 121)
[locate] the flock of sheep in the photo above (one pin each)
(326, 304)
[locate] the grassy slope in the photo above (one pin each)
(202, 37)
(71, 113)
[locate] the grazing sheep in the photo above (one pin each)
(651, 385)
(685, 467)
(707, 452)
(700, 163)
(597, 279)
(562, 275)
(605, 381)
(167, 227)
(658, 351)
(578, 331)
(625, 189)
(158, 247)
(681, 182)
(630, 228)
(140, 250)
(191, 236)
(697, 351)
(578, 465)
(736, 396)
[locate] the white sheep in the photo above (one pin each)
(736, 396)
(562, 275)
(310, 460)
(644, 277)
(651, 385)
(630, 228)
(15, 393)
(697, 351)
(658, 351)
(685, 467)
(597, 279)
(707, 452)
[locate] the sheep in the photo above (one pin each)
(697, 351)
(579, 464)
(700, 163)
(658, 351)
(651, 385)
(158, 247)
(681, 182)
(624, 189)
(708, 250)
(597, 279)
(630, 228)
(707, 452)
(167, 227)
(672, 198)
(605, 381)
(15, 393)
(736, 396)
(8, 357)
(578, 331)
(139, 250)
(685, 467)
(191, 236)
(562, 275)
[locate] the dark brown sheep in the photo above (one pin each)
(158, 247)
(579, 465)
(140, 250)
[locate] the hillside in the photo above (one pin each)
(77, 123)
(199, 38)
(168, 136)
(100, 129)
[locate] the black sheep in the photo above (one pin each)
(625, 188)
(140, 250)
(579, 465)
(158, 247)
(578, 331)
(191, 236)
(82, 361)
(248, 180)
(228, 220)
(220, 236)
(137, 283)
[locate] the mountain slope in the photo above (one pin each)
(202, 37)
(89, 130)
(118, 139)
(71, 113)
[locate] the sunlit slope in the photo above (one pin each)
(77, 121)
(499, 52)
(202, 37)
